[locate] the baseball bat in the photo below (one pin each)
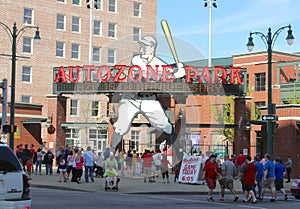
(167, 32)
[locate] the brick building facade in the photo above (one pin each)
(117, 25)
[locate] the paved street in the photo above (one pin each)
(50, 198)
(133, 193)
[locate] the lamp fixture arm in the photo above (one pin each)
(24, 29)
(275, 35)
(263, 37)
(7, 29)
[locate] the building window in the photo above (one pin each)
(26, 99)
(72, 137)
(75, 51)
(98, 4)
(96, 54)
(60, 21)
(76, 2)
(112, 5)
(111, 30)
(136, 9)
(111, 56)
(260, 82)
(99, 137)
(135, 140)
(74, 107)
(28, 16)
(97, 28)
(136, 34)
(75, 24)
(95, 108)
(60, 49)
(26, 74)
(61, 1)
(27, 44)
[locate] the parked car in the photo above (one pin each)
(295, 188)
(14, 182)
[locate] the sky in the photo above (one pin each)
(232, 21)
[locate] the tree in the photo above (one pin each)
(224, 114)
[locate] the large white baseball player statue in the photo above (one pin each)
(146, 103)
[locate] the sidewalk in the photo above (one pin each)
(129, 185)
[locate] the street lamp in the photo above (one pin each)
(212, 3)
(269, 41)
(14, 33)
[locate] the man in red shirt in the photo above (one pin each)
(211, 172)
(249, 173)
(147, 164)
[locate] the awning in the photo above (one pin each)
(81, 124)
(33, 120)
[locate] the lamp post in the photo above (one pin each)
(209, 4)
(14, 33)
(269, 41)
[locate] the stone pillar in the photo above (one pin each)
(179, 143)
(242, 118)
(57, 107)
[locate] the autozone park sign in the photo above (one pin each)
(122, 78)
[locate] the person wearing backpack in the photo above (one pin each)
(248, 171)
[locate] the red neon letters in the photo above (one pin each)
(120, 73)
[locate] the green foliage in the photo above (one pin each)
(225, 115)
(294, 97)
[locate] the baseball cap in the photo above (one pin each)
(148, 41)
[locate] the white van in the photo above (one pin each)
(14, 183)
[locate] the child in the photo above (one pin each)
(62, 166)
(177, 170)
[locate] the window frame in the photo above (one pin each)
(136, 36)
(79, 3)
(100, 28)
(98, 136)
(71, 137)
(78, 51)
(135, 140)
(114, 6)
(260, 82)
(114, 55)
(112, 30)
(63, 49)
(139, 10)
(96, 110)
(99, 3)
(25, 45)
(26, 96)
(31, 17)
(74, 110)
(99, 55)
(28, 74)
(58, 22)
(77, 25)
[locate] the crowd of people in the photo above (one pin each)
(73, 163)
(255, 176)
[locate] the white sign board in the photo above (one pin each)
(190, 168)
(245, 151)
